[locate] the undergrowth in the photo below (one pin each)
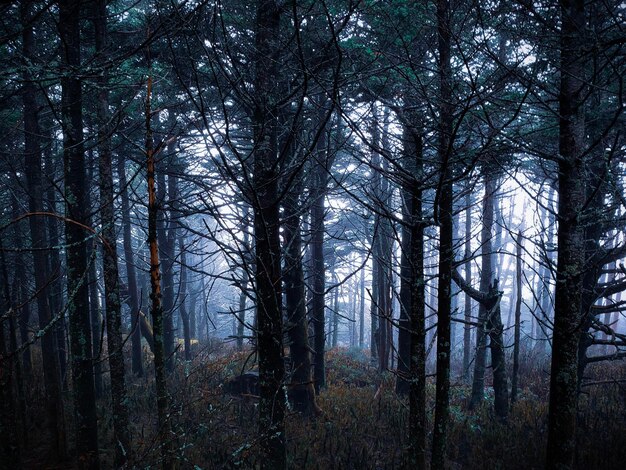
(364, 425)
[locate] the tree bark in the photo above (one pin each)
(76, 218)
(241, 315)
(9, 445)
(302, 391)
(467, 328)
(318, 306)
(113, 305)
(446, 254)
(56, 435)
(183, 297)
(518, 317)
(486, 276)
(362, 310)
(267, 238)
(416, 312)
(570, 261)
(131, 276)
(156, 310)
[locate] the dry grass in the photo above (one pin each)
(364, 423)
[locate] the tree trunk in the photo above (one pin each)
(267, 238)
(362, 310)
(131, 276)
(56, 436)
(486, 276)
(518, 317)
(446, 253)
(183, 298)
(156, 309)
(498, 359)
(244, 278)
(113, 305)
(95, 306)
(568, 292)
(406, 271)
(54, 264)
(9, 445)
(319, 272)
(467, 328)
(164, 227)
(302, 391)
(416, 311)
(76, 208)
(335, 324)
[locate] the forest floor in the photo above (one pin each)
(364, 424)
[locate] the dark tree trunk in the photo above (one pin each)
(486, 276)
(301, 387)
(76, 207)
(568, 293)
(95, 306)
(467, 329)
(113, 305)
(267, 238)
(156, 309)
(335, 324)
(518, 317)
(54, 263)
(362, 309)
(170, 293)
(13, 320)
(24, 327)
(20, 293)
(241, 315)
(374, 298)
(56, 436)
(446, 253)
(382, 242)
(417, 325)
(498, 359)
(410, 217)
(164, 227)
(319, 271)
(9, 445)
(131, 276)
(183, 297)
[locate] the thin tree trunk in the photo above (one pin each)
(467, 329)
(486, 276)
(113, 305)
(362, 310)
(317, 254)
(244, 279)
(335, 324)
(56, 435)
(446, 254)
(131, 276)
(76, 207)
(518, 317)
(54, 263)
(498, 360)
(164, 226)
(9, 445)
(169, 288)
(162, 396)
(183, 297)
(95, 306)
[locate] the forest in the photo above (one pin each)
(312, 234)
